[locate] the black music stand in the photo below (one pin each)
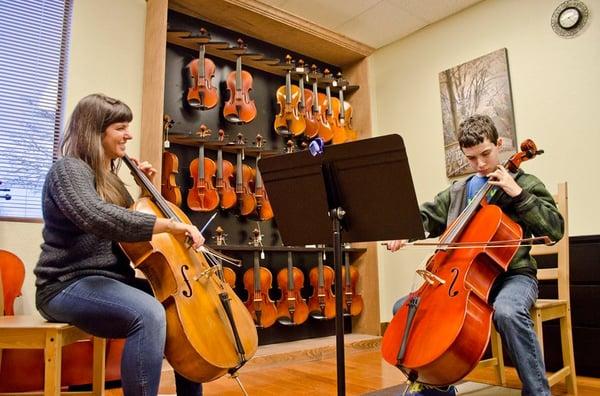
(362, 188)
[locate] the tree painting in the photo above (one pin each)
(480, 86)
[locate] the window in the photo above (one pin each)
(34, 38)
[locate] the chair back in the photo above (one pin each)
(561, 272)
(12, 275)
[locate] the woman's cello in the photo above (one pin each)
(209, 331)
(440, 333)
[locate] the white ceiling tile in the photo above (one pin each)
(381, 25)
(433, 10)
(329, 13)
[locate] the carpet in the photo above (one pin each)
(464, 388)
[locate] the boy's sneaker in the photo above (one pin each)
(421, 390)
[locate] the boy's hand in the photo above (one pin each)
(503, 179)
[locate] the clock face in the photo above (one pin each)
(569, 18)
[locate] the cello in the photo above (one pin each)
(322, 302)
(189, 288)
(440, 333)
(202, 197)
(170, 168)
(224, 176)
(239, 108)
(202, 94)
(289, 121)
(291, 308)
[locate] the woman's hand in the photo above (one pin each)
(145, 167)
(396, 245)
(178, 228)
(503, 179)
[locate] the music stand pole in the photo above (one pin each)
(337, 215)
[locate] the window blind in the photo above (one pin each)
(34, 45)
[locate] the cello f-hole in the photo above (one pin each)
(452, 293)
(187, 293)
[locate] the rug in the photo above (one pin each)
(464, 388)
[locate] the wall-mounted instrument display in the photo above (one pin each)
(239, 108)
(202, 94)
(203, 196)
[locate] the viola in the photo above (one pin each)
(203, 196)
(332, 113)
(257, 281)
(170, 168)
(289, 120)
(202, 94)
(243, 176)
(345, 114)
(353, 302)
(224, 337)
(225, 171)
(451, 307)
(239, 108)
(291, 308)
(322, 302)
(263, 205)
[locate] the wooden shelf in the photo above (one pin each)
(302, 249)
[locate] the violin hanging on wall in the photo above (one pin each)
(263, 205)
(244, 175)
(202, 197)
(291, 308)
(225, 172)
(345, 111)
(258, 281)
(202, 94)
(239, 108)
(289, 121)
(170, 168)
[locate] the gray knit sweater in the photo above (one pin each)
(80, 230)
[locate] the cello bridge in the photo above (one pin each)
(430, 277)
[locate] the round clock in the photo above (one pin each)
(569, 18)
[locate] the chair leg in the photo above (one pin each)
(52, 365)
(497, 353)
(568, 355)
(98, 369)
(537, 327)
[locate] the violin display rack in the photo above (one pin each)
(228, 52)
(172, 39)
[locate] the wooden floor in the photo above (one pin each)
(365, 372)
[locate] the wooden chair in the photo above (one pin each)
(32, 332)
(549, 309)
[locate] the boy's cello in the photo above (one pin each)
(440, 333)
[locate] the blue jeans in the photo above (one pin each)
(512, 296)
(108, 308)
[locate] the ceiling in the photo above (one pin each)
(372, 22)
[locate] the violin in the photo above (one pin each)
(333, 112)
(170, 168)
(202, 94)
(225, 171)
(319, 100)
(291, 308)
(188, 286)
(257, 281)
(239, 108)
(309, 106)
(451, 307)
(289, 121)
(322, 302)
(345, 115)
(243, 176)
(325, 109)
(202, 197)
(353, 302)
(263, 205)
(225, 273)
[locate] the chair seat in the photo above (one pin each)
(544, 303)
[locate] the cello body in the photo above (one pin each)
(450, 328)
(202, 342)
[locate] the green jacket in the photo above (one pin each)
(534, 209)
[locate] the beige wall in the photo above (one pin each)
(107, 55)
(555, 86)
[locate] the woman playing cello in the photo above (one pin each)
(83, 278)
(526, 201)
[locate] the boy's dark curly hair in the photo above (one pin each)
(473, 131)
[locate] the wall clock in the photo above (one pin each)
(569, 18)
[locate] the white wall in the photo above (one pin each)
(555, 88)
(107, 55)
